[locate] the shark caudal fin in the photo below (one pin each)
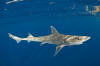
(15, 37)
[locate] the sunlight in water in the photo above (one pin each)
(94, 11)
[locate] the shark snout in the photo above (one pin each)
(85, 38)
(88, 37)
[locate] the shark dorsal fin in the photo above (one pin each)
(54, 31)
(58, 48)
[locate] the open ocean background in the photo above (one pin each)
(36, 17)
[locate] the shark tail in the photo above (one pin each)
(15, 37)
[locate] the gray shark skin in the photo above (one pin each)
(55, 37)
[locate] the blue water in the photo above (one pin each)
(36, 17)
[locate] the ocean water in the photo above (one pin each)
(71, 17)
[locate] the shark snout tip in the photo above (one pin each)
(88, 37)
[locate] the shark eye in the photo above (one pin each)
(77, 38)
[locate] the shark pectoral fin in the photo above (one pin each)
(54, 31)
(58, 48)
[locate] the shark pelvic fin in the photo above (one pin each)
(58, 48)
(42, 43)
(54, 31)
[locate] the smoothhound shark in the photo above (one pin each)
(55, 37)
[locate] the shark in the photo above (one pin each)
(55, 37)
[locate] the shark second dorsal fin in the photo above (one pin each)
(54, 31)
(30, 35)
(58, 48)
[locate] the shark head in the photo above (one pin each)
(77, 40)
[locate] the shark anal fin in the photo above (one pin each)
(58, 48)
(54, 31)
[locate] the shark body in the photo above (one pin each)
(55, 37)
